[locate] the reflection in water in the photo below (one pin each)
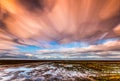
(60, 72)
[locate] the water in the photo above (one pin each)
(49, 71)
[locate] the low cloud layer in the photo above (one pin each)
(102, 51)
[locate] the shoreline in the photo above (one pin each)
(18, 61)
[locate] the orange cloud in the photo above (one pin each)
(117, 30)
(63, 21)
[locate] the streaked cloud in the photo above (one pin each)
(60, 28)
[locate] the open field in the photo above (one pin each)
(59, 70)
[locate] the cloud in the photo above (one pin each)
(7, 45)
(53, 24)
(117, 30)
(15, 54)
(106, 50)
(62, 24)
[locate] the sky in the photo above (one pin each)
(60, 29)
